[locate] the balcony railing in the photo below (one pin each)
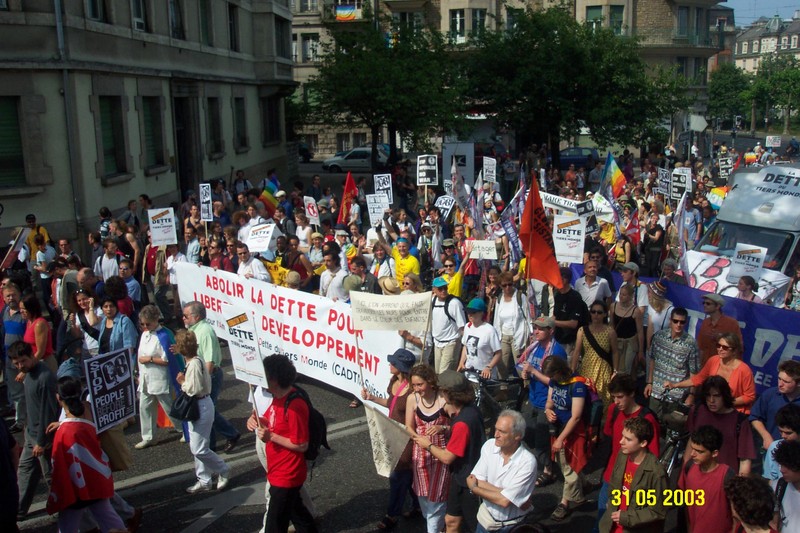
(670, 37)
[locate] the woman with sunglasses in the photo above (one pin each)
(453, 277)
(727, 364)
(596, 349)
(512, 317)
(85, 320)
(412, 282)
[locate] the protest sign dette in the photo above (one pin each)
(206, 203)
(242, 341)
(383, 185)
(489, 169)
(377, 204)
(312, 213)
(317, 334)
(568, 232)
(427, 170)
(445, 205)
(262, 237)
(748, 260)
(389, 439)
(681, 182)
(14, 249)
(483, 250)
(379, 312)
(162, 226)
(112, 391)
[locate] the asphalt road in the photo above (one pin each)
(348, 494)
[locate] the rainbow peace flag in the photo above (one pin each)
(345, 13)
(613, 178)
(271, 186)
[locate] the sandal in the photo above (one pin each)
(545, 479)
(355, 404)
(560, 513)
(387, 523)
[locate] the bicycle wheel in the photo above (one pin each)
(667, 456)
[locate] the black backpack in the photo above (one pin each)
(446, 306)
(317, 427)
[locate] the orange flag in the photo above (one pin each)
(537, 241)
(349, 196)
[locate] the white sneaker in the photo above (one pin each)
(144, 444)
(183, 439)
(222, 481)
(198, 487)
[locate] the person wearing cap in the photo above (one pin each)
(538, 438)
(505, 475)
(400, 252)
(630, 276)
(351, 283)
(713, 325)
(569, 311)
(400, 364)
(481, 343)
(512, 318)
(447, 326)
(332, 279)
(674, 356)
(591, 287)
(668, 272)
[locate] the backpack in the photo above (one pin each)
(317, 427)
(446, 306)
(592, 407)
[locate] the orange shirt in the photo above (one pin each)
(708, 334)
(740, 380)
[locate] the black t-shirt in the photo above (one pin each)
(569, 306)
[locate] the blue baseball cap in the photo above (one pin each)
(476, 305)
(440, 282)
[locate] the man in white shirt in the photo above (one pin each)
(505, 475)
(192, 245)
(590, 287)
(447, 327)
(249, 266)
(107, 265)
(331, 280)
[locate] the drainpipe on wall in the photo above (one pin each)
(69, 119)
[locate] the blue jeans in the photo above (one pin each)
(399, 485)
(602, 505)
(221, 423)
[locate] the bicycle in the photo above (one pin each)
(676, 434)
(492, 396)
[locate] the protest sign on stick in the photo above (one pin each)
(377, 204)
(243, 343)
(383, 185)
(445, 204)
(748, 260)
(389, 439)
(312, 213)
(427, 170)
(206, 203)
(483, 250)
(379, 312)
(568, 232)
(162, 226)
(262, 237)
(109, 377)
(489, 169)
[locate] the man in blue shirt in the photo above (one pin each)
(538, 435)
(762, 415)
(13, 330)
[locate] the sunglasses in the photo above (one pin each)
(449, 266)
(675, 321)
(597, 312)
(724, 347)
(506, 284)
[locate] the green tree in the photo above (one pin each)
(570, 75)
(726, 87)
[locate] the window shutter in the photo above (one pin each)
(12, 163)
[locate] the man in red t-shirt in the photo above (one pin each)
(702, 481)
(622, 388)
(284, 429)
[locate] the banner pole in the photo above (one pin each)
(360, 369)
(425, 334)
(253, 397)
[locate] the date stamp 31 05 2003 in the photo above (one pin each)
(651, 497)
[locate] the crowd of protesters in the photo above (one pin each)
(605, 357)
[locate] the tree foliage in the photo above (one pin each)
(727, 88)
(549, 75)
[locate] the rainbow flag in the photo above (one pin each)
(271, 186)
(613, 179)
(345, 13)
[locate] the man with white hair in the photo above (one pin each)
(505, 475)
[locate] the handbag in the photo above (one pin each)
(185, 408)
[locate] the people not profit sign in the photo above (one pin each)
(109, 377)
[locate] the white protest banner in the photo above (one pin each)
(377, 204)
(483, 250)
(464, 154)
(262, 237)
(711, 273)
(383, 184)
(681, 182)
(378, 312)
(445, 204)
(162, 226)
(568, 233)
(389, 439)
(773, 141)
(317, 334)
(747, 260)
(489, 169)
(206, 203)
(312, 213)
(725, 167)
(109, 377)
(242, 341)
(427, 170)
(558, 202)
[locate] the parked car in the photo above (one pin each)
(357, 159)
(580, 156)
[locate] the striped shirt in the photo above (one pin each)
(431, 476)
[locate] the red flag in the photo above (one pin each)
(738, 161)
(537, 241)
(349, 196)
(633, 231)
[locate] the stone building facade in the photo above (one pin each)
(767, 36)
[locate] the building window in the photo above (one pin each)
(214, 135)
(794, 41)
(310, 47)
(12, 162)
(283, 36)
(308, 6)
(784, 43)
(233, 27)
(478, 21)
(594, 17)
(755, 63)
(342, 142)
(359, 139)
(204, 11)
(457, 25)
(312, 141)
(294, 47)
(744, 48)
(113, 135)
(176, 20)
(409, 20)
(616, 19)
(683, 22)
(683, 66)
(240, 124)
(270, 119)
(755, 47)
(96, 10)
(3, 4)
(153, 131)
(512, 16)
(138, 15)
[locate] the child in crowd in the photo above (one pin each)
(787, 488)
(752, 503)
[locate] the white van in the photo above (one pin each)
(763, 209)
